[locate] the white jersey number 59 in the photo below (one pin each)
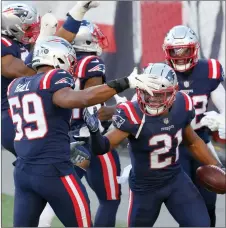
(37, 116)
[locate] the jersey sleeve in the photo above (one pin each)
(89, 67)
(28, 60)
(7, 47)
(126, 119)
(216, 73)
(56, 79)
(188, 107)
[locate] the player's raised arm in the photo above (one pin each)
(71, 26)
(198, 148)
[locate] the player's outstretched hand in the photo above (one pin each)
(143, 81)
(91, 120)
(78, 152)
(81, 7)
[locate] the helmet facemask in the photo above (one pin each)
(182, 57)
(30, 32)
(158, 103)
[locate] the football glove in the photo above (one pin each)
(48, 26)
(91, 120)
(81, 7)
(78, 152)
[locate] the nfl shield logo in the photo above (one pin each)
(186, 84)
(166, 121)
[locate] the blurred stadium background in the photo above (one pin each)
(135, 31)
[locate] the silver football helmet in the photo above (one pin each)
(90, 39)
(54, 51)
(164, 90)
(21, 22)
(181, 47)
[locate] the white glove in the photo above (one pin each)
(215, 121)
(125, 175)
(81, 7)
(221, 129)
(48, 26)
(211, 120)
(120, 99)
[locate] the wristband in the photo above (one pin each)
(71, 25)
(119, 84)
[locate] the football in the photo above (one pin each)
(212, 178)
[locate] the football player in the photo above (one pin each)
(41, 107)
(102, 172)
(201, 80)
(155, 125)
(20, 29)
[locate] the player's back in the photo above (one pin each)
(88, 67)
(41, 127)
(154, 154)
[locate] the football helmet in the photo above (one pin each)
(89, 39)
(164, 88)
(22, 22)
(54, 51)
(181, 47)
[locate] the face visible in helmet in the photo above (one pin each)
(162, 98)
(181, 48)
(21, 22)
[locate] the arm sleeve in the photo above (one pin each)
(7, 48)
(28, 60)
(99, 143)
(218, 98)
(57, 79)
(220, 76)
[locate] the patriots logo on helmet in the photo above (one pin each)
(99, 67)
(118, 120)
(65, 80)
(171, 76)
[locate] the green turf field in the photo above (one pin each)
(7, 213)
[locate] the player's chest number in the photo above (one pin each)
(36, 117)
(155, 156)
(202, 101)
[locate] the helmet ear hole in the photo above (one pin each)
(60, 60)
(88, 42)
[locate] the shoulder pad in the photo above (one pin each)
(10, 86)
(126, 118)
(130, 112)
(215, 70)
(187, 100)
(56, 79)
(90, 66)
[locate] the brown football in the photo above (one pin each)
(212, 178)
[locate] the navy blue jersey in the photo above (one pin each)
(154, 154)
(41, 127)
(89, 66)
(204, 78)
(16, 49)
